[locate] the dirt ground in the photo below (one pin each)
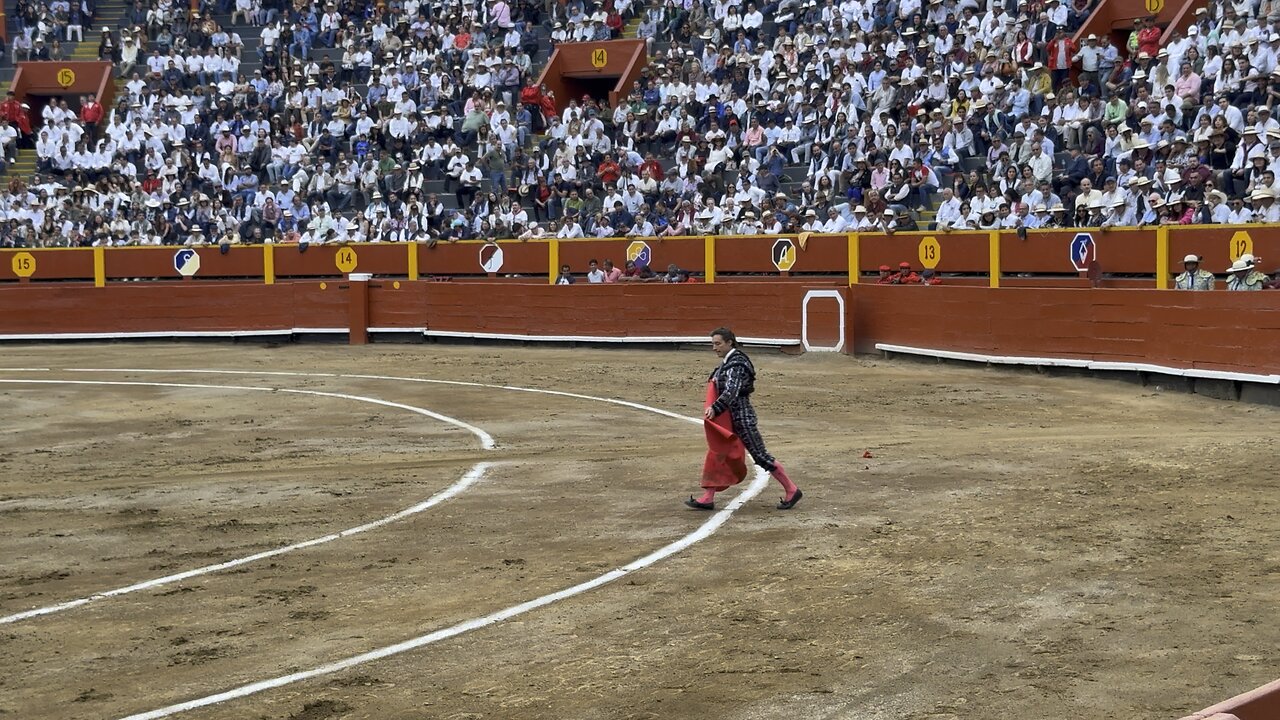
(1016, 546)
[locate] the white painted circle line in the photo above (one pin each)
(486, 440)
(706, 530)
(398, 378)
(470, 478)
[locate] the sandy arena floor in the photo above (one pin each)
(1017, 546)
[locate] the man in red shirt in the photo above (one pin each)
(608, 172)
(1149, 37)
(91, 113)
(11, 110)
(652, 165)
(904, 276)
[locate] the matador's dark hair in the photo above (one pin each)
(727, 334)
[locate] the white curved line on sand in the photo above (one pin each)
(704, 531)
(470, 478)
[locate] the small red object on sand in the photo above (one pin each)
(866, 453)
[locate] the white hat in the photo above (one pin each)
(860, 209)
(888, 212)
(1191, 259)
(1260, 194)
(1249, 258)
(1240, 266)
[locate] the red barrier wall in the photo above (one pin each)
(759, 310)
(1214, 331)
(1237, 332)
(1260, 704)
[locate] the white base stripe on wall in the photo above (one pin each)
(1079, 363)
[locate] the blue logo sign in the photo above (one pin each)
(1083, 251)
(186, 262)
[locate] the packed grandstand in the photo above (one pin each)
(255, 120)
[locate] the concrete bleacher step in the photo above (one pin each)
(26, 162)
(110, 14)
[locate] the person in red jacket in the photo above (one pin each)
(531, 97)
(608, 172)
(11, 110)
(1149, 36)
(548, 103)
(18, 113)
(1060, 51)
(91, 113)
(904, 276)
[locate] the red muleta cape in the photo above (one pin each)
(726, 463)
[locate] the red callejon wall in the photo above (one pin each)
(1215, 331)
(1237, 332)
(652, 310)
(758, 310)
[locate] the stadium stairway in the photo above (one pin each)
(25, 165)
(108, 13)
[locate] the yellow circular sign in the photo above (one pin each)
(600, 57)
(66, 77)
(24, 264)
(1154, 6)
(345, 259)
(1241, 244)
(930, 252)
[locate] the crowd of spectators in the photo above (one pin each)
(750, 118)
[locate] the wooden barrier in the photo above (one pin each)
(1233, 332)
(638, 312)
(1260, 704)
(1225, 332)
(1043, 257)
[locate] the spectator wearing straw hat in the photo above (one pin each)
(1242, 275)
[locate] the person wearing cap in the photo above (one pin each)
(1242, 275)
(1193, 277)
(1089, 55)
(904, 275)
(1147, 36)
